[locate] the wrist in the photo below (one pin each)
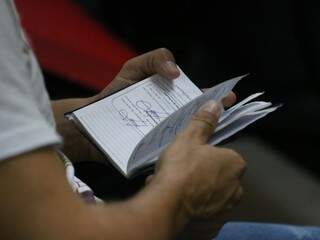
(173, 185)
(161, 201)
(178, 181)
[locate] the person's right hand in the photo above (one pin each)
(209, 177)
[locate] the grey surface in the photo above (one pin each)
(276, 190)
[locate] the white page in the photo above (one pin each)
(167, 130)
(239, 124)
(120, 121)
(225, 114)
(240, 111)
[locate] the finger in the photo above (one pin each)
(227, 101)
(159, 61)
(202, 123)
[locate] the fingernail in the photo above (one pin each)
(171, 68)
(211, 106)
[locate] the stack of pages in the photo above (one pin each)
(132, 126)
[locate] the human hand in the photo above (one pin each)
(209, 178)
(160, 61)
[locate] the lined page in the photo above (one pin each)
(118, 123)
(239, 124)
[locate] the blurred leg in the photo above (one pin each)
(276, 189)
(260, 231)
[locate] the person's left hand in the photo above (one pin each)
(159, 61)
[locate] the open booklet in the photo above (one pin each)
(132, 126)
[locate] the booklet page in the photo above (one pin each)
(118, 122)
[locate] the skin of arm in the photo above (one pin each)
(39, 204)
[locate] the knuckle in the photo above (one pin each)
(205, 155)
(239, 161)
(235, 158)
(235, 155)
(128, 64)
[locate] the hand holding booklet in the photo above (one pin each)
(134, 125)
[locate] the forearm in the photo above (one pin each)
(77, 147)
(49, 210)
(155, 213)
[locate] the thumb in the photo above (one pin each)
(203, 123)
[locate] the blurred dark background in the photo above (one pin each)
(277, 42)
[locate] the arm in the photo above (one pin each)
(42, 206)
(192, 180)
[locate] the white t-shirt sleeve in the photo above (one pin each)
(23, 125)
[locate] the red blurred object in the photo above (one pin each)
(71, 44)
